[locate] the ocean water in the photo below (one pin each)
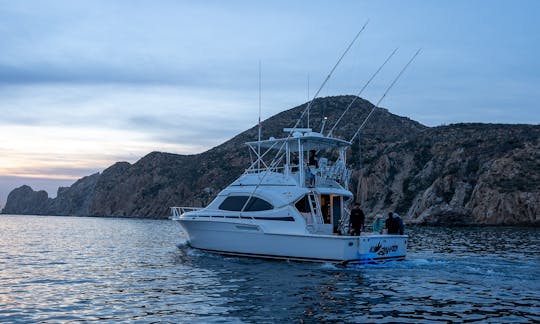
(68, 269)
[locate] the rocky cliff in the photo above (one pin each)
(460, 174)
(24, 200)
(457, 174)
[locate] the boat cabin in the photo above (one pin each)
(311, 161)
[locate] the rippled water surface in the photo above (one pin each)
(58, 269)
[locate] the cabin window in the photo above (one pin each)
(257, 204)
(235, 203)
(303, 205)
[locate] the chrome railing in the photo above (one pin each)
(271, 169)
(178, 211)
(329, 172)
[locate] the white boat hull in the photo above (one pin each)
(240, 238)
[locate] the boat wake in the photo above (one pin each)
(182, 245)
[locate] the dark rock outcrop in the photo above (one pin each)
(76, 199)
(459, 174)
(24, 200)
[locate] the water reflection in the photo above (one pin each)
(83, 269)
(431, 285)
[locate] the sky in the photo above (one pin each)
(84, 84)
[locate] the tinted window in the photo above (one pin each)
(235, 203)
(257, 204)
(303, 205)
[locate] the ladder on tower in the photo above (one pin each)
(315, 208)
(344, 221)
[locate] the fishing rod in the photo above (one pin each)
(260, 127)
(306, 110)
(384, 95)
(308, 99)
(320, 88)
(277, 159)
(330, 74)
(361, 90)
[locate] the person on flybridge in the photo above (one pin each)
(295, 163)
(313, 164)
(313, 159)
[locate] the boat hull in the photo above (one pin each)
(251, 240)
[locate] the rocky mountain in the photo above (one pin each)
(458, 174)
(24, 200)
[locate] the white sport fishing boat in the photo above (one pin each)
(285, 206)
(288, 210)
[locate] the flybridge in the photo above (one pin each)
(300, 155)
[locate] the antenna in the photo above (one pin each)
(384, 94)
(259, 137)
(361, 90)
(308, 99)
(359, 172)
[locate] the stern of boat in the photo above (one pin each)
(381, 247)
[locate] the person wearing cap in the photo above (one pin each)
(394, 224)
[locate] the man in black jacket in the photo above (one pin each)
(357, 219)
(394, 224)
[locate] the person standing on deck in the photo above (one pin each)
(401, 227)
(378, 224)
(357, 219)
(394, 224)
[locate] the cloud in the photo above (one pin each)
(65, 131)
(165, 43)
(96, 73)
(84, 84)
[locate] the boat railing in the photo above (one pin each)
(260, 170)
(344, 221)
(178, 211)
(329, 172)
(323, 174)
(333, 172)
